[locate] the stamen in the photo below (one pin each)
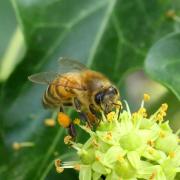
(135, 116)
(146, 97)
(95, 143)
(151, 143)
(68, 139)
(97, 158)
(153, 175)
(142, 112)
(77, 121)
(160, 113)
(59, 169)
(171, 155)
(50, 122)
(127, 107)
(108, 136)
(164, 106)
(17, 145)
(110, 116)
(120, 158)
(77, 167)
(162, 134)
(171, 13)
(60, 166)
(151, 150)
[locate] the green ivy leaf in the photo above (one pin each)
(111, 36)
(163, 62)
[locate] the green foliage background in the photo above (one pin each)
(115, 37)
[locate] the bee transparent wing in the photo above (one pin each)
(48, 77)
(70, 65)
(66, 65)
(43, 77)
(71, 83)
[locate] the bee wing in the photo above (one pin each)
(70, 65)
(72, 84)
(43, 77)
(48, 77)
(66, 65)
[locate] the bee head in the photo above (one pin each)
(106, 99)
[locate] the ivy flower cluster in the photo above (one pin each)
(127, 146)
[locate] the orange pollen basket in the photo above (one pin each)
(63, 119)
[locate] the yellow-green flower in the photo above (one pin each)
(127, 146)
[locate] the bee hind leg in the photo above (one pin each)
(82, 115)
(61, 109)
(72, 131)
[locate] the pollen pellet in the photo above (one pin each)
(63, 119)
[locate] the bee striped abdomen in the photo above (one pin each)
(50, 98)
(56, 95)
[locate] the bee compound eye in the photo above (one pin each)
(99, 97)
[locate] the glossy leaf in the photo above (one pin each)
(111, 36)
(163, 62)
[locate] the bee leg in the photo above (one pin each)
(93, 111)
(82, 115)
(77, 105)
(72, 131)
(61, 109)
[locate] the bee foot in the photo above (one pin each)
(72, 131)
(84, 117)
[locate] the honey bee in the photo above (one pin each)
(88, 91)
